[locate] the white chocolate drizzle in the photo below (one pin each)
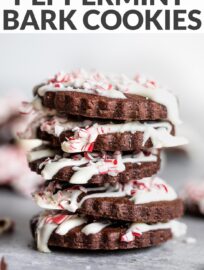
(30, 144)
(56, 125)
(63, 224)
(139, 192)
(94, 227)
(36, 115)
(44, 232)
(177, 228)
(70, 224)
(38, 154)
(86, 169)
(114, 86)
(158, 132)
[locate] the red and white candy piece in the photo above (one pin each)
(58, 219)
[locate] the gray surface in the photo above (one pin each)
(176, 254)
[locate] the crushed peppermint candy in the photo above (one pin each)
(58, 219)
(148, 83)
(66, 197)
(80, 79)
(130, 236)
(83, 139)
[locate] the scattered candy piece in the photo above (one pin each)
(190, 240)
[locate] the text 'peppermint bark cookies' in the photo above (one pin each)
(96, 140)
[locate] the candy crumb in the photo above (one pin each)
(190, 240)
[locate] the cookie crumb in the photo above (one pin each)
(3, 264)
(6, 225)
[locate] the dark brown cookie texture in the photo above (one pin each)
(94, 106)
(126, 141)
(116, 208)
(193, 209)
(124, 209)
(133, 171)
(193, 196)
(107, 239)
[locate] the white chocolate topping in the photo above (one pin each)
(94, 227)
(158, 132)
(44, 232)
(96, 166)
(52, 168)
(35, 155)
(30, 144)
(56, 125)
(70, 224)
(62, 224)
(153, 189)
(114, 86)
(140, 192)
(178, 229)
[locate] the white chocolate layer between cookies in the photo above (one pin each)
(141, 191)
(86, 132)
(88, 166)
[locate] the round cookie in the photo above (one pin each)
(99, 172)
(123, 209)
(95, 95)
(148, 200)
(74, 232)
(134, 107)
(81, 136)
(193, 196)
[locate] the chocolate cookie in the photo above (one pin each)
(124, 209)
(75, 232)
(111, 142)
(134, 107)
(97, 95)
(148, 200)
(193, 196)
(138, 170)
(132, 136)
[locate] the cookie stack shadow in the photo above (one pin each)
(100, 156)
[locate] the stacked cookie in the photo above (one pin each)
(97, 145)
(193, 196)
(14, 171)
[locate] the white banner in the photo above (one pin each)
(101, 16)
